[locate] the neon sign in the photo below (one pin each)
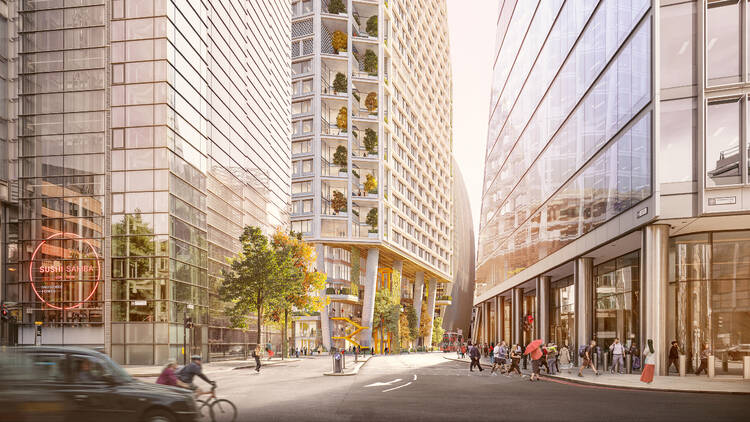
(58, 272)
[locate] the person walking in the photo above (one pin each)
(649, 361)
(674, 357)
(499, 358)
(543, 359)
(618, 350)
(474, 354)
(256, 355)
(635, 354)
(463, 351)
(537, 356)
(515, 359)
(564, 357)
(586, 354)
(705, 353)
(552, 359)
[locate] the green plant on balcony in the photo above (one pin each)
(339, 83)
(338, 203)
(330, 291)
(341, 157)
(371, 62)
(371, 141)
(341, 119)
(371, 185)
(445, 297)
(356, 18)
(338, 41)
(372, 26)
(372, 220)
(336, 7)
(356, 96)
(371, 102)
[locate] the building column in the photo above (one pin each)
(499, 318)
(398, 267)
(542, 307)
(486, 325)
(517, 308)
(368, 302)
(583, 276)
(654, 262)
(325, 313)
(418, 294)
(431, 291)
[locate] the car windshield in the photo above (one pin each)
(119, 372)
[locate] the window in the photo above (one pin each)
(677, 45)
(302, 67)
(301, 127)
(677, 135)
(302, 226)
(301, 147)
(723, 42)
(301, 107)
(301, 187)
(303, 206)
(301, 167)
(723, 143)
(302, 87)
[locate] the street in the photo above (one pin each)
(429, 387)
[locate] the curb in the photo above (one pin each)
(555, 378)
(354, 371)
(271, 363)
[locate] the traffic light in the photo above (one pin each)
(4, 312)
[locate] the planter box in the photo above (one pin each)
(343, 14)
(342, 214)
(372, 235)
(372, 195)
(342, 52)
(371, 155)
(343, 173)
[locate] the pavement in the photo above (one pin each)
(428, 387)
(352, 367)
(674, 383)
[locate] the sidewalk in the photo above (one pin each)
(146, 371)
(690, 383)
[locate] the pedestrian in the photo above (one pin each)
(618, 350)
(649, 360)
(458, 350)
(674, 357)
(256, 355)
(168, 376)
(474, 354)
(635, 353)
(296, 352)
(552, 359)
(537, 356)
(564, 357)
(705, 352)
(498, 354)
(515, 359)
(463, 351)
(543, 359)
(585, 355)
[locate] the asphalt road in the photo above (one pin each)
(426, 387)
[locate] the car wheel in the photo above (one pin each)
(159, 415)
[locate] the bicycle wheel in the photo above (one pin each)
(223, 410)
(204, 410)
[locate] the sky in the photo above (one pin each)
(472, 35)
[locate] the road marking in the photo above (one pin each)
(396, 388)
(380, 384)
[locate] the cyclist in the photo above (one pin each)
(189, 371)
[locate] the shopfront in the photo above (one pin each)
(528, 324)
(709, 297)
(617, 300)
(562, 312)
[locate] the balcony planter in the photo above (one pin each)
(342, 52)
(372, 234)
(343, 172)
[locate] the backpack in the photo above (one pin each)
(582, 351)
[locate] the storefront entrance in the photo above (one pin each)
(617, 301)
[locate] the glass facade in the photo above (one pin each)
(562, 312)
(572, 150)
(141, 164)
(709, 297)
(617, 299)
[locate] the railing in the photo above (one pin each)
(330, 129)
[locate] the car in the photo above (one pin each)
(738, 351)
(83, 385)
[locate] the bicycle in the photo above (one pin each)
(220, 410)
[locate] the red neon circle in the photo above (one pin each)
(98, 272)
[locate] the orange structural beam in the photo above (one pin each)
(358, 329)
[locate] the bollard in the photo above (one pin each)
(683, 365)
(711, 367)
(746, 367)
(606, 361)
(629, 363)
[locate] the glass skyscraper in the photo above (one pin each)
(615, 191)
(150, 133)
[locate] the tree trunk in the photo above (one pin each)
(260, 323)
(284, 342)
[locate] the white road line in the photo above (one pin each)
(396, 388)
(380, 384)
